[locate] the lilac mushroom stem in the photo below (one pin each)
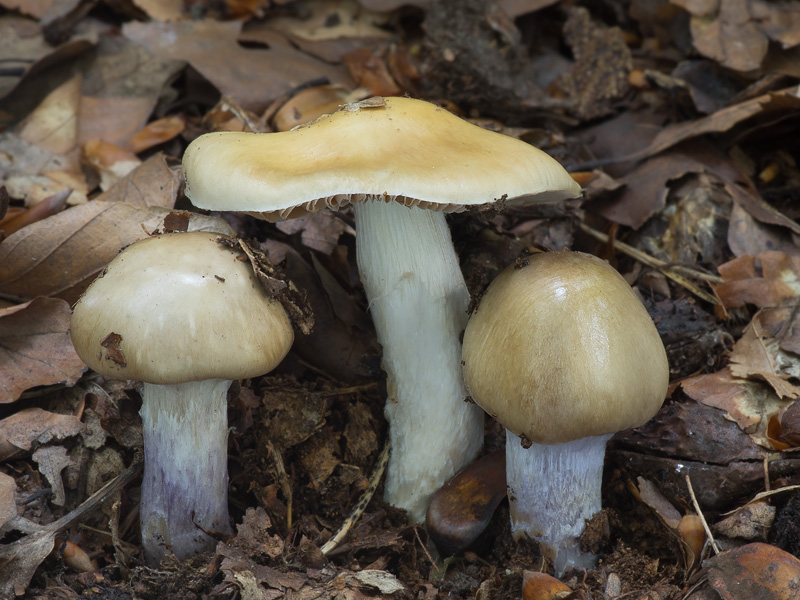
(418, 301)
(185, 481)
(553, 490)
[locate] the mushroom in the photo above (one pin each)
(182, 314)
(563, 354)
(403, 163)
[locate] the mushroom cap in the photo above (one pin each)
(185, 309)
(400, 149)
(563, 349)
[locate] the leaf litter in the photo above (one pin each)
(683, 140)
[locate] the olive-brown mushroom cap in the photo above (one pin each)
(185, 308)
(562, 349)
(406, 150)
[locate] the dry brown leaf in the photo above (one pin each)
(731, 38)
(52, 460)
(370, 72)
(749, 404)
(161, 10)
(61, 255)
(779, 20)
(155, 133)
(8, 504)
(35, 348)
(774, 103)
(45, 10)
(758, 355)
(766, 280)
(252, 77)
(21, 430)
(152, 184)
(22, 43)
(755, 572)
(111, 162)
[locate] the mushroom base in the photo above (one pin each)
(552, 491)
(418, 301)
(185, 480)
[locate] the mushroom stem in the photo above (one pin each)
(553, 490)
(418, 300)
(185, 480)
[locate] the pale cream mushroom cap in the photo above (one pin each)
(562, 349)
(403, 150)
(186, 309)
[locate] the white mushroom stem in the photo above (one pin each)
(185, 481)
(553, 490)
(418, 301)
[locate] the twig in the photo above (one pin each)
(700, 514)
(425, 550)
(283, 480)
(677, 273)
(363, 501)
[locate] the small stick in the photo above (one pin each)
(700, 514)
(356, 513)
(668, 270)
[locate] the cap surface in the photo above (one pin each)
(406, 150)
(184, 308)
(563, 349)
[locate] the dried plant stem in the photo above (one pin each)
(363, 501)
(677, 273)
(700, 515)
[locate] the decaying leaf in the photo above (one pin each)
(750, 404)
(765, 280)
(35, 348)
(294, 300)
(758, 354)
(52, 460)
(23, 429)
(8, 504)
(211, 47)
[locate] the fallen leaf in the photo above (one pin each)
(155, 133)
(758, 355)
(765, 280)
(52, 460)
(61, 255)
(749, 404)
(21, 430)
(8, 504)
(22, 42)
(121, 87)
(252, 77)
(35, 348)
(111, 162)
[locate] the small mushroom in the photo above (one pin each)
(182, 314)
(402, 163)
(563, 354)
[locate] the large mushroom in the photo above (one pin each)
(402, 163)
(563, 354)
(184, 315)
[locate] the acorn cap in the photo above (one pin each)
(176, 308)
(562, 349)
(397, 149)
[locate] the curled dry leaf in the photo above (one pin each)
(155, 133)
(21, 430)
(52, 460)
(35, 348)
(294, 301)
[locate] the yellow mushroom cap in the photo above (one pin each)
(562, 349)
(184, 308)
(399, 149)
